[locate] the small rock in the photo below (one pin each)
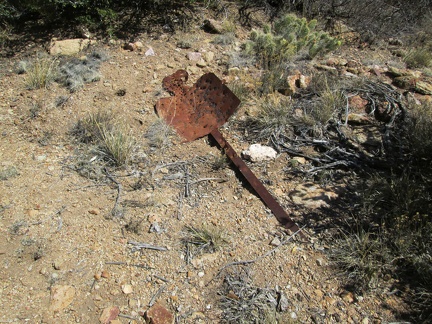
(259, 153)
(358, 103)
(194, 56)
(201, 63)
(320, 262)
(318, 293)
(283, 303)
(347, 296)
(97, 276)
(57, 264)
(8, 173)
(116, 321)
(109, 314)
(105, 274)
(212, 26)
(127, 289)
(234, 70)
(299, 159)
(158, 314)
(155, 228)
(275, 242)
(150, 52)
(61, 297)
(129, 47)
(94, 211)
(209, 56)
(423, 88)
(68, 46)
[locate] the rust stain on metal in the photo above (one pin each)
(198, 111)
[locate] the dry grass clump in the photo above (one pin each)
(274, 117)
(420, 130)
(116, 144)
(206, 239)
(40, 73)
(419, 58)
(240, 89)
(113, 142)
(363, 256)
(159, 134)
(242, 302)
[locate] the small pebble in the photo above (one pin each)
(94, 211)
(127, 289)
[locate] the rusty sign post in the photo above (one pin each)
(200, 110)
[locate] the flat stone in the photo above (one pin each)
(61, 297)
(109, 314)
(201, 63)
(68, 46)
(158, 314)
(194, 56)
(127, 289)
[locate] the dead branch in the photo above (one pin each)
(114, 211)
(139, 245)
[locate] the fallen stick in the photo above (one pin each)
(139, 245)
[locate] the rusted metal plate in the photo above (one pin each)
(195, 111)
(198, 111)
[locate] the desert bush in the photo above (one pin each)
(88, 130)
(240, 89)
(224, 39)
(243, 302)
(330, 103)
(107, 17)
(290, 36)
(74, 73)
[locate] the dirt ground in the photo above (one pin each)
(57, 231)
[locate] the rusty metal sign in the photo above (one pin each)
(200, 110)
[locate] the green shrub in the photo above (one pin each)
(290, 36)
